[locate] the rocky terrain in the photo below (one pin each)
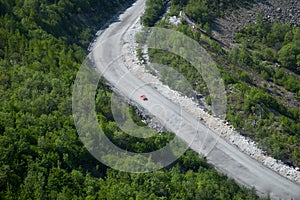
(287, 11)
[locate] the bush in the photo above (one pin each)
(208, 100)
(245, 77)
(287, 55)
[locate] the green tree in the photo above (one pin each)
(287, 56)
(277, 34)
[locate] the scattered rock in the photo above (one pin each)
(175, 21)
(286, 11)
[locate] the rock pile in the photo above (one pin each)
(284, 11)
(174, 20)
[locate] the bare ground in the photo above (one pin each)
(287, 11)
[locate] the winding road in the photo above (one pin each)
(107, 54)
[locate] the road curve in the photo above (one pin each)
(107, 54)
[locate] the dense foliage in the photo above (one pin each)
(278, 42)
(261, 76)
(154, 11)
(42, 45)
(203, 12)
(272, 51)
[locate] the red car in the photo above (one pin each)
(143, 97)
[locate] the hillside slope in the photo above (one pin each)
(283, 11)
(261, 71)
(42, 46)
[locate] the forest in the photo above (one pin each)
(42, 46)
(261, 74)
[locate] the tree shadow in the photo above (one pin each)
(116, 17)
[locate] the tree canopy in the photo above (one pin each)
(42, 45)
